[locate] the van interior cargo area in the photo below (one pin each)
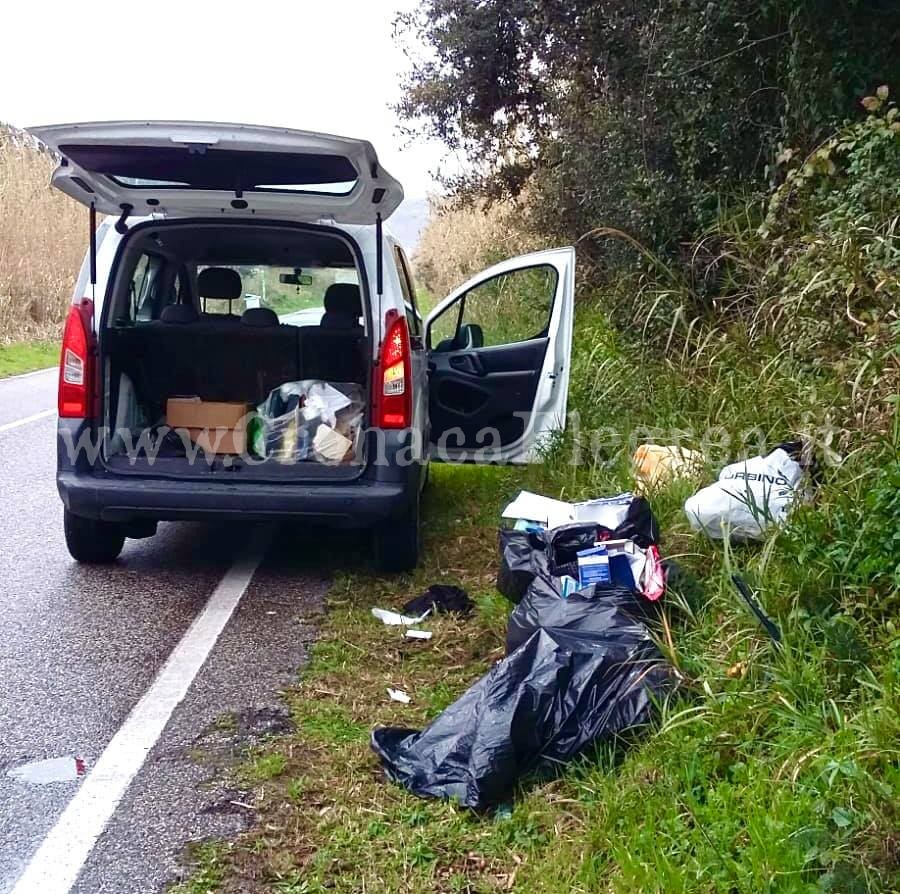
(214, 319)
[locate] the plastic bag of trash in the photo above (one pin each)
(551, 554)
(749, 497)
(591, 610)
(558, 692)
(516, 561)
(309, 419)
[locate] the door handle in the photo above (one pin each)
(468, 363)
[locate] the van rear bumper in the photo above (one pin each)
(385, 491)
(355, 504)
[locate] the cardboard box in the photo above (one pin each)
(330, 446)
(593, 567)
(214, 426)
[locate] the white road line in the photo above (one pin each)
(28, 375)
(9, 426)
(55, 866)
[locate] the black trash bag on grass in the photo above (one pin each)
(560, 691)
(596, 609)
(441, 599)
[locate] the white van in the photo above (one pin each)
(245, 340)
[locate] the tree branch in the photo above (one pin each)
(748, 46)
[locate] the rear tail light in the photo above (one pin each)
(76, 364)
(394, 383)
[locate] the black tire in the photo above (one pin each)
(397, 543)
(92, 541)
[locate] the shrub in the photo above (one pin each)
(43, 236)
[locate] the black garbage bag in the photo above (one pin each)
(557, 693)
(524, 556)
(596, 609)
(516, 571)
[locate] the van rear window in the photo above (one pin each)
(296, 295)
(228, 170)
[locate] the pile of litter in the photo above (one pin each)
(580, 666)
(309, 420)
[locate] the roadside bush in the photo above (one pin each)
(460, 240)
(43, 235)
(639, 115)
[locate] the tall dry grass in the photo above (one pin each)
(459, 241)
(43, 235)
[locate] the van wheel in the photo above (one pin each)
(92, 541)
(397, 543)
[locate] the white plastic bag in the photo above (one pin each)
(749, 496)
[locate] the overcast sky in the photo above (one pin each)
(325, 65)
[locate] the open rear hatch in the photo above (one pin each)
(194, 169)
(236, 350)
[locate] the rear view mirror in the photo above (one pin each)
(297, 278)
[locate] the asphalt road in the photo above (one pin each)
(81, 646)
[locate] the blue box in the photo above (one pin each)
(593, 567)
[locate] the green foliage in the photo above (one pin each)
(832, 241)
(509, 308)
(209, 869)
(635, 115)
(858, 541)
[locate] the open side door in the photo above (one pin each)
(194, 168)
(499, 349)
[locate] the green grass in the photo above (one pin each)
(774, 771)
(209, 869)
(25, 356)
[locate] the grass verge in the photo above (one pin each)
(26, 356)
(775, 771)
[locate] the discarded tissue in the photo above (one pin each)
(398, 695)
(395, 619)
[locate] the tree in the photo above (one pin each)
(639, 114)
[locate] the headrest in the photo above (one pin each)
(343, 298)
(259, 317)
(179, 313)
(219, 282)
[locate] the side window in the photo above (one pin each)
(409, 292)
(144, 287)
(508, 308)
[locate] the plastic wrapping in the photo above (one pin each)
(592, 610)
(559, 691)
(310, 419)
(516, 564)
